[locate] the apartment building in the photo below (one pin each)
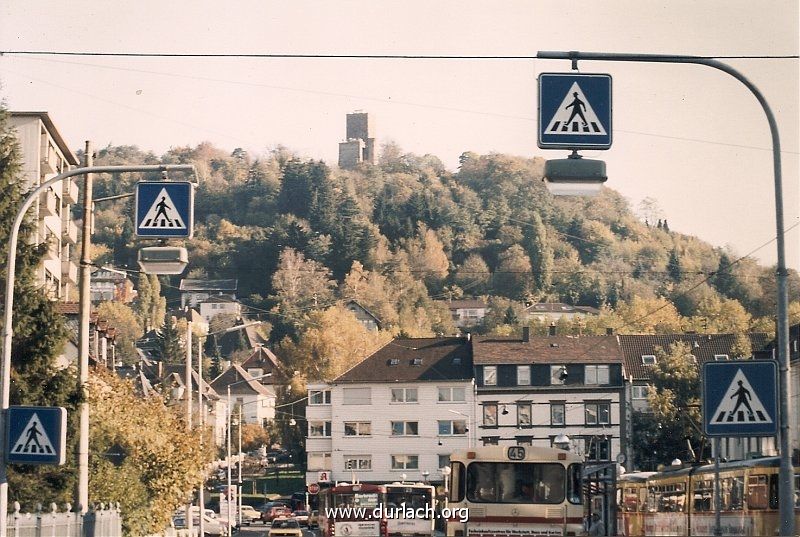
(401, 411)
(45, 154)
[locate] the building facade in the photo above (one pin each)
(359, 145)
(45, 154)
(400, 412)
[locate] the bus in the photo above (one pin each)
(680, 500)
(411, 509)
(515, 490)
(353, 510)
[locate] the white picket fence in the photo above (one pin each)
(100, 521)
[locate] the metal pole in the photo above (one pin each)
(201, 500)
(786, 481)
(188, 394)
(8, 312)
(228, 492)
(85, 305)
(239, 466)
(717, 491)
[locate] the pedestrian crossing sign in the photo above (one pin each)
(164, 209)
(740, 398)
(574, 111)
(36, 435)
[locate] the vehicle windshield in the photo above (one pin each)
(283, 524)
(408, 497)
(492, 482)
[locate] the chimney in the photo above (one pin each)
(526, 334)
(609, 331)
(551, 330)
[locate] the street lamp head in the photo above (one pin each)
(562, 441)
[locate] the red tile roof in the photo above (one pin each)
(546, 350)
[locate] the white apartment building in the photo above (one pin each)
(530, 390)
(400, 412)
(45, 154)
(257, 401)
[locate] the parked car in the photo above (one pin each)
(285, 527)
(250, 514)
(274, 512)
(212, 527)
(301, 517)
(313, 519)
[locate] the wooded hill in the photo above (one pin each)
(300, 235)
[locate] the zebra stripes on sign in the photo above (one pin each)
(740, 398)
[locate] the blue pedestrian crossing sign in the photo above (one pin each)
(36, 435)
(574, 111)
(164, 209)
(740, 398)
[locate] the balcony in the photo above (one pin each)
(70, 191)
(70, 232)
(48, 203)
(69, 272)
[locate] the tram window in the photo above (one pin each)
(703, 499)
(458, 482)
(757, 492)
(490, 482)
(668, 498)
(732, 493)
(574, 483)
(796, 490)
(630, 500)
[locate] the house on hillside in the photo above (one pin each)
(218, 305)
(111, 286)
(214, 409)
(262, 362)
(402, 410)
(640, 356)
(466, 312)
(101, 338)
(256, 400)
(553, 311)
(364, 316)
(532, 389)
(194, 291)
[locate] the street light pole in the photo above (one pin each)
(8, 313)
(239, 481)
(786, 483)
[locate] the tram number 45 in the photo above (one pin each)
(516, 453)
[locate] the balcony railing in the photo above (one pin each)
(70, 191)
(69, 272)
(70, 232)
(48, 205)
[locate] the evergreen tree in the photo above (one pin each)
(674, 268)
(38, 336)
(150, 306)
(169, 342)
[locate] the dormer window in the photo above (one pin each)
(649, 359)
(394, 361)
(720, 357)
(457, 361)
(416, 361)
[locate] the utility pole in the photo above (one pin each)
(201, 500)
(188, 395)
(84, 294)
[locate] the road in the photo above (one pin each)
(260, 530)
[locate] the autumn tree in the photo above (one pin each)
(124, 319)
(648, 316)
(301, 284)
(513, 278)
(150, 306)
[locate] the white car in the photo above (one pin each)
(212, 527)
(249, 515)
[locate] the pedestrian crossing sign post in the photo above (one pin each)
(574, 111)
(164, 209)
(740, 398)
(36, 435)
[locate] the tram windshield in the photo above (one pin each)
(493, 482)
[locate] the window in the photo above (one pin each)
(394, 361)
(532, 483)
(356, 396)
(491, 440)
(358, 462)
(649, 359)
(596, 374)
(703, 497)
(405, 462)
(416, 361)
(762, 492)
(524, 440)
(444, 461)
(524, 415)
(720, 357)
(404, 395)
(490, 414)
(732, 493)
(319, 428)
(357, 428)
(405, 428)
(598, 413)
(557, 414)
(598, 449)
(558, 374)
(490, 375)
(452, 427)
(451, 394)
(319, 397)
(523, 375)
(639, 392)
(319, 461)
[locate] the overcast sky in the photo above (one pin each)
(691, 137)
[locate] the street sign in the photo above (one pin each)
(313, 488)
(36, 435)
(164, 209)
(323, 477)
(740, 398)
(574, 111)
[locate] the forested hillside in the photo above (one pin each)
(300, 235)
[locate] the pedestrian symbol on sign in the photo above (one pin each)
(575, 104)
(162, 214)
(740, 404)
(33, 440)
